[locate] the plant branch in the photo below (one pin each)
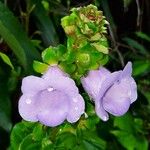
(139, 13)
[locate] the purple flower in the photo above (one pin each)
(50, 99)
(111, 92)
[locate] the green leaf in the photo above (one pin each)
(5, 103)
(13, 79)
(12, 32)
(69, 57)
(39, 132)
(52, 55)
(5, 122)
(143, 36)
(129, 133)
(66, 140)
(101, 48)
(28, 143)
(104, 60)
(6, 59)
(19, 132)
(40, 67)
(68, 68)
(44, 24)
(131, 142)
(92, 121)
(91, 139)
(45, 5)
(141, 67)
(47, 144)
(124, 123)
(138, 125)
(126, 3)
(29, 136)
(5, 109)
(37, 43)
(136, 45)
(49, 56)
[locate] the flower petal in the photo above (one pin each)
(28, 108)
(108, 82)
(93, 82)
(54, 72)
(131, 87)
(55, 94)
(127, 71)
(33, 84)
(103, 71)
(76, 109)
(53, 107)
(100, 111)
(117, 99)
(64, 84)
(60, 81)
(116, 107)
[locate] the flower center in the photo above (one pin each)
(53, 99)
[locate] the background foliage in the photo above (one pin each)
(27, 27)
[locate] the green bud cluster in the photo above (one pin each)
(86, 25)
(87, 46)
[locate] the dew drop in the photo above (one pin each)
(50, 89)
(28, 101)
(105, 118)
(76, 108)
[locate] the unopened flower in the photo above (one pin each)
(50, 99)
(112, 92)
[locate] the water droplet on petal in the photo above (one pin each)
(50, 89)
(76, 108)
(105, 118)
(28, 101)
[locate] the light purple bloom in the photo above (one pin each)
(50, 99)
(111, 92)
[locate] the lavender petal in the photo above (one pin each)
(76, 108)
(93, 82)
(33, 84)
(53, 73)
(127, 71)
(53, 107)
(100, 111)
(28, 108)
(117, 99)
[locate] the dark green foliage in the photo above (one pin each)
(31, 27)
(130, 131)
(44, 23)
(12, 32)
